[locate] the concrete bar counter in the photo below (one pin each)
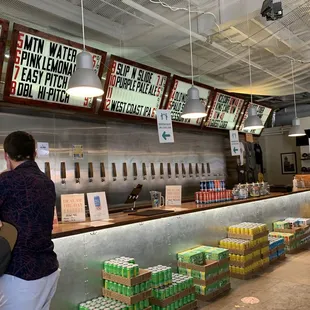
(82, 248)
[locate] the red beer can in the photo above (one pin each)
(200, 197)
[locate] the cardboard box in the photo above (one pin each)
(165, 302)
(215, 294)
(144, 276)
(211, 280)
(249, 251)
(126, 299)
(204, 268)
(248, 237)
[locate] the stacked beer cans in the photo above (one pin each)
(171, 291)
(102, 303)
(212, 191)
(122, 266)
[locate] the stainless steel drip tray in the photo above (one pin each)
(151, 212)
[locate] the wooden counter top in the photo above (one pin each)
(120, 219)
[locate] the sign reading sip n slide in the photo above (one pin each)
(40, 67)
(178, 96)
(262, 112)
(234, 142)
(164, 126)
(225, 111)
(133, 89)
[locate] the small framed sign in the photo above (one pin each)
(173, 195)
(288, 163)
(73, 208)
(98, 207)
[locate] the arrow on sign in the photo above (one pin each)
(165, 135)
(235, 150)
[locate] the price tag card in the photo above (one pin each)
(225, 111)
(98, 207)
(40, 67)
(73, 208)
(173, 195)
(133, 89)
(178, 95)
(262, 111)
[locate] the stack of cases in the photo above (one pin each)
(125, 282)
(276, 249)
(212, 192)
(294, 231)
(209, 266)
(248, 247)
(171, 291)
(102, 303)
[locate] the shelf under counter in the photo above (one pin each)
(121, 219)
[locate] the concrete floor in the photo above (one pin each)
(283, 286)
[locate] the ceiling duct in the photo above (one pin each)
(285, 116)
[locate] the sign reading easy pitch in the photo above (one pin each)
(262, 111)
(178, 96)
(134, 89)
(225, 111)
(41, 66)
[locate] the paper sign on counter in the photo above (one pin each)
(73, 208)
(98, 207)
(173, 195)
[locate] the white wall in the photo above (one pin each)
(273, 146)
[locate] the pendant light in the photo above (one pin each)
(193, 107)
(296, 130)
(84, 82)
(253, 121)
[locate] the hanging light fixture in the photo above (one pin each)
(193, 107)
(84, 82)
(253, 121)
(296, 130)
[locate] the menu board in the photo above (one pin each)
(262, 111)
(225, 111)
(178, 96)
(40, 67)
(4, 26)
(134, 89)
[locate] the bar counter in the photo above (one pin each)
(81, 248)
(120, 219)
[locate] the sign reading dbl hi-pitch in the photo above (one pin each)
(134, 89)
(225, 111)
(40, 68)
(262, 111)
(178, 96)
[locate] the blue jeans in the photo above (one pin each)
(17, 294)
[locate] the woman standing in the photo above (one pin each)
(27, 201)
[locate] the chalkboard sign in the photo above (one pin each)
(262, 111)
(4, 26)
(178, 95)
(134, 89)
(40, 67)
(225, 111)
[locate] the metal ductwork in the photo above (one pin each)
(285, 116)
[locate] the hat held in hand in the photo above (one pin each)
(8, 237)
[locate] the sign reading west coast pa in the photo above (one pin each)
(134, 89)
(41, 66)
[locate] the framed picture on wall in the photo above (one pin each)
(288, 163)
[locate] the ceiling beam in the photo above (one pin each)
(72, 13)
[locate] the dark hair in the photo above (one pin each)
(20, 146)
